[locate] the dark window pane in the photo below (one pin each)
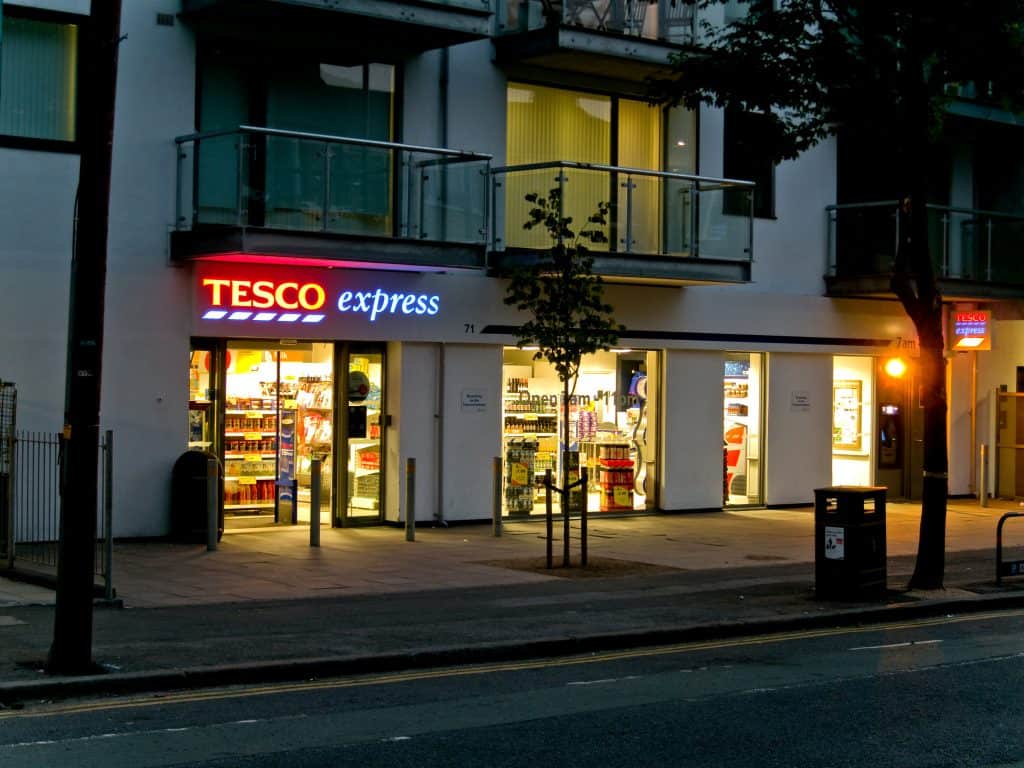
(38, 62)
(745, 159)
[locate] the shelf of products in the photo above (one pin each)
(249, 492)
(531, 424)
(520, 475)
(615, 476)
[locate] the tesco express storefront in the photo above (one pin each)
(363, 369)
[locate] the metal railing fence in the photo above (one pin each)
(670, 21)
(252, 176)
(964, 243)
(650, 212)
(32, 520)
(8, 403)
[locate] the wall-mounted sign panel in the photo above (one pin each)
(970, 330)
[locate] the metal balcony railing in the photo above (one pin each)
(965, 244)
(653, 213)
(667, 20)
(278, 179)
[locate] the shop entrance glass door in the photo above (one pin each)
(205, 379)
(364, 454)
(278, 417)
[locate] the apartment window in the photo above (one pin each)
(734, 10)
(38, 81)
(746, 158)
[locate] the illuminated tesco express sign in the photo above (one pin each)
(289, 301)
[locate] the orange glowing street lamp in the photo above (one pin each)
(895, 367)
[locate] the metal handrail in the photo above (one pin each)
(930, 206)
(330, 138)
(620, 169)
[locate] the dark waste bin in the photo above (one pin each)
(849, 542)
(190, 497)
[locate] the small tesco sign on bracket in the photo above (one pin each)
(970, 330)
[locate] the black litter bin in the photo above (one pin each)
(190, 497)
(849, 542)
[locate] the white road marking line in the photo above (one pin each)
(895, 645)
(603, 681)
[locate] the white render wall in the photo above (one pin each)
(412, 382)
(960, 371)
(37, 198)
(690, 456)
(799, 441)
(145, 390)
(471, 438)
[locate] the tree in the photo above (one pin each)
(882, 72)
(565, 301)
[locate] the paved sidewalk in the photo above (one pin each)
(266, 606)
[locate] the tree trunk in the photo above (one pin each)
(916, 285)
(931, 545)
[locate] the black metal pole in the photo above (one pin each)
(583, 518)
(566, 506)
(71, 651)
(547, 515)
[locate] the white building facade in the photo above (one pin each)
(310, 215)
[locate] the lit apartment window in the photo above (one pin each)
(38, 74)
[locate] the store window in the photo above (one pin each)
(38, 80)
(743, 429)
(853, 415)
(611, 430)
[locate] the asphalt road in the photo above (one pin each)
(943, 692)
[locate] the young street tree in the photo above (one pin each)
(565, 302)
(883, 73)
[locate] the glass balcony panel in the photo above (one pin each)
(722, 232)
(293, 189)
(864, 239)
(448, 200)
(1004, 238)
(672, 22)
(679, 201)
(361, 190)
(639, 214)
(964, 244)
(654, 213)
(217, 165)
(583, 191)
(958, 243)
(311, 183)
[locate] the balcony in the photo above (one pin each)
(352, 31)
(618, 39)
(975, 254)
(663, 228)
(261, 194)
